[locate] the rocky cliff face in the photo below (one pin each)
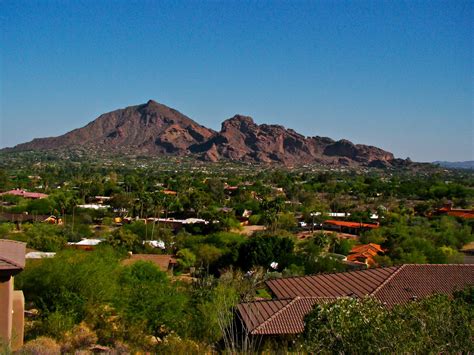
(151, 128)
(154, 129)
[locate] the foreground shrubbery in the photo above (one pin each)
(87, 298)
(434, 325)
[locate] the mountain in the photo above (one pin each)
(155, 129)
(456, 165)
(151, 128)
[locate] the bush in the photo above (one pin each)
(41, 346)
(79, 338)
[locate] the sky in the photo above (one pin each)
(394, 74)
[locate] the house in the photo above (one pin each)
(93, 206)
(19, 218)
(54, 220)
(348, 227)
(363, 255)
(25, 194)
(86, 244)
(12, 303)
(163, 262)
(448, 209)
(39, 255)
(294, 297)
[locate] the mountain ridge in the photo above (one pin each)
(156, 129)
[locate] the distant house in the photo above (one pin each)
(86, 244)
(296, 296)
(349, 227)
(448, 209)
(12, 303)
(19, 218)
(39, 255)
(24, 194)
(93, 206)
(165, 263)
(53, 220)
(364, 255)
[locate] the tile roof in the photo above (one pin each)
(25, 194)
(364, 254)
(393, 285)
(12, 256)
(413, 281)
(351, 224)
(358, 283)
(461, 214)
(277, 316)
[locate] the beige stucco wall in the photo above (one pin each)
(6, 306)
(18, 321)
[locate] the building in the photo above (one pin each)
(25, 194)
(448, 209)
(363, 255)
(86, 244)
(12, 303)
(294, 297)
(348, 227)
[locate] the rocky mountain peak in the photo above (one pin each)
(156, 129)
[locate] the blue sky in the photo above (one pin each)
(394, 74)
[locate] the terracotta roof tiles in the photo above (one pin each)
(296, 296)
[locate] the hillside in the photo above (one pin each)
(155, 129)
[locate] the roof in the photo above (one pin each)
(371, 248)
(393, 285)
(89, 242)
(359, 283)
(161, 261)
(277, 316)
(12, 256)
(350, 224)
(25, 194)
(461, 214)
(364, 253)
(23, 217)
(39, 255)
(456, 212)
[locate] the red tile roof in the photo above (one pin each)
(364, 254)
(277, 316)
(461, 214)
(456, 212)
(358, 283)
(25, 194)
(418, 280)
(393, 285)
(351, 224)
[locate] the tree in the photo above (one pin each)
(432, 325)
(264, 250)
(150, 302)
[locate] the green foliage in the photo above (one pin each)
(263, 250)
(45, 237)
(433, 325)
(71, 282)
(124, 239)
(186, 259)
(149, 301)
(419, 240)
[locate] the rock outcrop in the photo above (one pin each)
(155, 129)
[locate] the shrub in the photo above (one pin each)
(41, 346)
